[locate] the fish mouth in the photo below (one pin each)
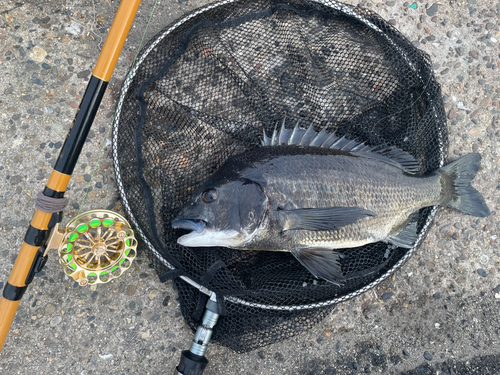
(196, 228)
(193, 225)
(201, 235)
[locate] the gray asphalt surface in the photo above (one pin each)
(439, 314)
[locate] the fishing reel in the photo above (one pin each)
(95, 247)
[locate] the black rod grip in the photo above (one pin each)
(81, 126)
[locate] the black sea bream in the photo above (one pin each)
(313, 194)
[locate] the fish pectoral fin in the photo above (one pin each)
(407, 236)
(330, 218)
(322, 263)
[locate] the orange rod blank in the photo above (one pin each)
(41, 220)
(23, 265)
(58, 181)
(8, 311)
(115, 40)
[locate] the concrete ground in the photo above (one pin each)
(439, 314)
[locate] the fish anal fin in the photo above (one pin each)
(322, 263)
(318, 219)
(407, 237)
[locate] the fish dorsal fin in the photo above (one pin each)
(392, 155)
(311, 138)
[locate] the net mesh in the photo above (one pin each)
(206, 87)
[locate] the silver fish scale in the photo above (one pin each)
(309, 179)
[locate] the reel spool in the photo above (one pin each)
(95, 247)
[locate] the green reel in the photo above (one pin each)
(95, 247)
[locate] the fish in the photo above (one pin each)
(314, 193)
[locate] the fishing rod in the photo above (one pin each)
(96, 229)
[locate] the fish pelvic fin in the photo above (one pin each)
(311, 138)
(464, 197)
(318, 219)
(322, 263)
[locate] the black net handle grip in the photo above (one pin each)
(191, 364)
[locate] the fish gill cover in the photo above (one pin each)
(207, 87)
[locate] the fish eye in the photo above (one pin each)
(209, 195)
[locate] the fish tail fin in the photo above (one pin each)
(464, 197)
